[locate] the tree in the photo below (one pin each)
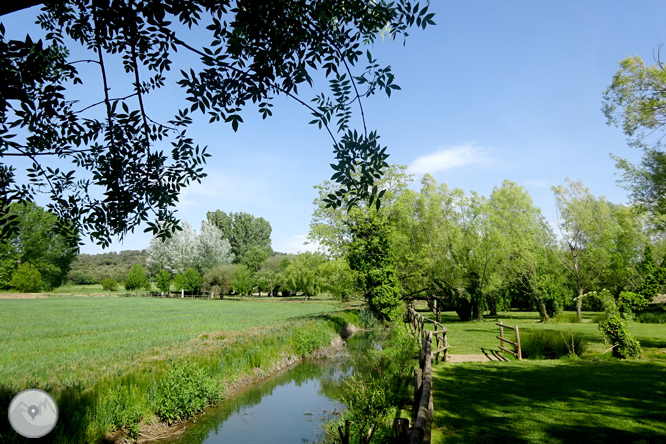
(137, 279)
(242, 281)
(244, 232)
(257, 50)
(636, 102)
(254, 257)
(39, 239)
(187, 249)
(303, 273)
(190, 281)
(163, 280)
(371, 257)
(587, 228)
(27, 278)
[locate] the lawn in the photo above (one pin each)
(79, 339)
(557, 401)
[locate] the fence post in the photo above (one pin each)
(501, 334)
(518, 351)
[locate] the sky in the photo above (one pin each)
(496, 90)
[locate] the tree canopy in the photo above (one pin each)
(129, 168)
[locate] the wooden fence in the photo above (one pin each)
(518, 354)
(420, 432)
(418, 323)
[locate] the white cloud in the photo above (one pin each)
(446, 159)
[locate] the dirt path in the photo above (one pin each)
(488, 356)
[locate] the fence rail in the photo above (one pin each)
(518, 353)
(420, 432)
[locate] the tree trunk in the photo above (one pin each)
(542, 310)
(464, 309)
(477, 311)
(579, 304)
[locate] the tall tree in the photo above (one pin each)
(587, 228)
(244, 232)
(257, 51)
(636, 102)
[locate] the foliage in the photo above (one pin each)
(551, 344)
(242, 280)
(254, 257)
(137, 279)
(185, 391)
(371, 257)
(43, 240)
(163, 280)
(615, 332)
(588, 230)
(304, 274)
(190, 281)
(635, 101)
(259, 50)
(244, 232)
(367, 319)
(307, 341)
(339, 280)
(220, 277)
(631, 303)
(367, 401)
(109, 284)
(187, 249)
(114, 265)
(27, 278)
(651, 318)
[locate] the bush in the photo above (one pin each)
(163, 279)
(630, 303)
(552, 344)
(615, 332)
(185, 391)
(79, 277)
(651, 318)
(27, 278)
(109, 284)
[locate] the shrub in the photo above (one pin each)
(630, 303)
(651, 318)
(552, 344)
(82, 278)
(109, 284)
(27, 278)
(615, 332)
(185, 391)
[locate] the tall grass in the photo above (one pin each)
(651, 318)
(551, 344)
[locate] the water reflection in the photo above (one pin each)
(287, 408)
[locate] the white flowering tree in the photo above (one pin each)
(187, 249)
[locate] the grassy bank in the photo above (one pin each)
(104, 358)
(555, 401)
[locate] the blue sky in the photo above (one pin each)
(497, 90)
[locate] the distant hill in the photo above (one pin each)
(92, 268)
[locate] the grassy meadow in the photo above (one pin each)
(569, 400)
(104, 356)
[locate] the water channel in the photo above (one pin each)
(288, 408)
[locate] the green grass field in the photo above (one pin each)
(556, 401)
(60, 340)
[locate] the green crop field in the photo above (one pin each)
(63, 340)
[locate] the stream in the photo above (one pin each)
(288, 408)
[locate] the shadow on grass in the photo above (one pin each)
(551, 402)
